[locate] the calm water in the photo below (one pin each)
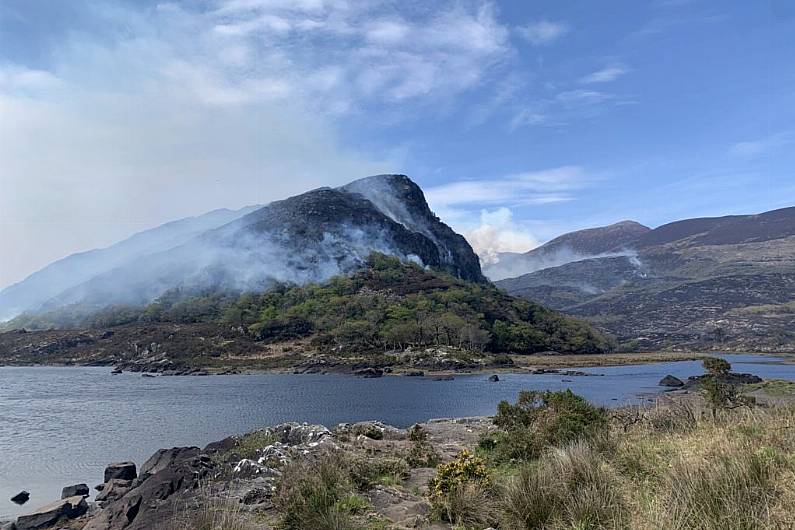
(60, 426)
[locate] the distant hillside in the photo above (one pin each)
(52, 280)
(724, 283)
(574, 246)
(387, 306)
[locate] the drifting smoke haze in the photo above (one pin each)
(512, 265)
(307, 238)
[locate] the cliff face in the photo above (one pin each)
(724, 283)
(309, 237)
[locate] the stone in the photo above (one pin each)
(50, 514)
(75, 491)
(494, 378)
(672, 381)
(114, 489)
(443, 378)
(21, 497)
(414, 373)
(165, 458)
(257, 495)
(121, 470)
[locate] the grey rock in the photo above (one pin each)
(672, 381)
(494, 378)
(21, 497)
(165, 458)
(121, 470)
(76, 490)
(50, 514)
(114, 489)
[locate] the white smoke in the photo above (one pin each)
(497, 233)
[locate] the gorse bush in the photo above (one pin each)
(459, 491)
(542, 419)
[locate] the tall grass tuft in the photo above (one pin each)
(571, 487)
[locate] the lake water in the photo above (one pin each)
(61, 426)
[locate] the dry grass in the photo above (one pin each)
(212, 513)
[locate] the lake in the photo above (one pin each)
(63, 425)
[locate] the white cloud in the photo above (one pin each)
(543, 32)
(605, 75)
(533, 187)
(497, 233)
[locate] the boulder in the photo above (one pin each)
(80, 490)
(414, 373)
(114, 489)
(121, 470)
(142, 508)
(52, 513)
(165, 458)
(443, 378)
(672, 381)
(494, 378)
(299, 433)
(21, 497)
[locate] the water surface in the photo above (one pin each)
(60, 426)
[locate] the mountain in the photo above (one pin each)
(573, 246)
(307, 238)
(41, 286)
(721, 282)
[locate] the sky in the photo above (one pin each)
(521, 120)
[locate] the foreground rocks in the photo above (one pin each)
(49, 515)
(78, 490)
(671, 381)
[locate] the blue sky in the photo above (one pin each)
(521, 120)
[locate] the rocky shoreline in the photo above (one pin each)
(244, 470)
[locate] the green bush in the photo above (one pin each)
(542, 419)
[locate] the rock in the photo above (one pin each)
(300, 433)
(99, 487)
(148, 375)
(8, 526)
(138, 508)
(165, 458)
(443, 378)
(21, 497)
(672, 381)
(76, 490)
(120, 470)
(257, 496)
(369, 372)
(494, 378)
(48, 515)
(116, 371)
(114, 489)
(414, 373)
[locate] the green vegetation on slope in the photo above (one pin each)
(388, 305)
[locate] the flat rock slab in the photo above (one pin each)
(50, 514)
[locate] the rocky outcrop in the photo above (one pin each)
(55, 512)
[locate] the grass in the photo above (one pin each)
(249, 445)
(213, 513)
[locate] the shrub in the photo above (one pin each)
(716, 366)
(422, 453)
(466, 468)
(542, 419)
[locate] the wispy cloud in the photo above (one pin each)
(533, 187)
(762, 146)
(543, 32)
(605, 75)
